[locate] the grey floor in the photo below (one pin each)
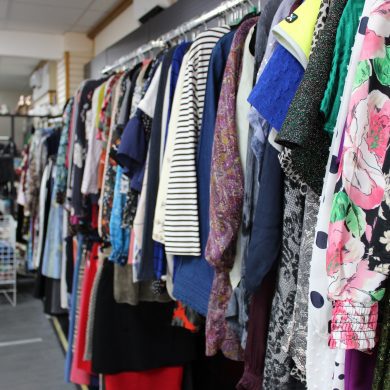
(38, 365)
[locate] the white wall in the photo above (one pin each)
(126, 22)
(122, 25)
(77, 42)
(80, 50)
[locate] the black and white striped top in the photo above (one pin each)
(181, 226)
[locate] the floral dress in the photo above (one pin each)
(356, 274)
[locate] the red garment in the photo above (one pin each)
(168, 378)
(180, 317)
(89, 277)
(94, 216)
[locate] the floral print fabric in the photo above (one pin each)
(320, 359)
(355, 277)
(62, 171)
(107, 194)
(120, 237)
(226, 201)
(279, 365)
(296, 333)
(37, 158)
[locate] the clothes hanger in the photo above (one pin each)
(242, 13)
(193, 35)
(185, 32)
(253, 8)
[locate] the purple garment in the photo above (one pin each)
(226, 200)
(259, 316)
(359, 369)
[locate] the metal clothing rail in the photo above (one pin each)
(181, 30)
(26, 116)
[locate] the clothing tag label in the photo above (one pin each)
(124, 184)
(291, 18)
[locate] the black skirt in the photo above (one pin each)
(136, 338)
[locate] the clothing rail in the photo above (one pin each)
(181, 30)
(26, 116)
(55, 120)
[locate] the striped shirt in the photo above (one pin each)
(181, 225)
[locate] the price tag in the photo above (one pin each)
(124, 184)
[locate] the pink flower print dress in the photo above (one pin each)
(356, 274)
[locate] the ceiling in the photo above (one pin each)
(43, 16)
(52, 16)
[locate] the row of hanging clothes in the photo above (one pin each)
(36, 175)
(227, 196)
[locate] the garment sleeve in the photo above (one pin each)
(133, 147)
